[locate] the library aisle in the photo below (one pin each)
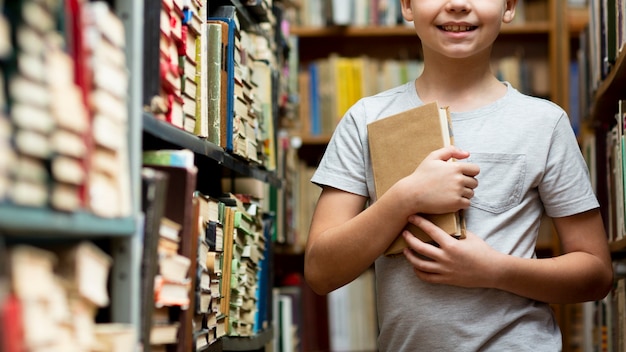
(156, 157)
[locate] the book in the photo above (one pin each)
(169, 229)
(85, 267)
(416, 132)
(180, 208)
(11, 324)
(119, 337)
(171, 293)
(228, 14)
(151, 37)
(352, 315)
(216, 69)
(169, 157)
(174, 267)
(153, 190)
(161, 334)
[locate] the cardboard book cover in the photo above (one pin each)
(415, 133)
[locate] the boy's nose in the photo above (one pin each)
(458, 6)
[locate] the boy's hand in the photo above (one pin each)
(469, 262)
(437, 186)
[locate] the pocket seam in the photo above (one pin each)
(506, 160)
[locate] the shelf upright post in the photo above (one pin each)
(126, 271)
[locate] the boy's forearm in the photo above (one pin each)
(340, 253)
(569, 278)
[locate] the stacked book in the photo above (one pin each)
(192, 56)
(47, 110)
(169, 104)
(59, 292)
(67, 112)
(209, 319)
(7, 153)
(247, 252)
(109, 176)
(171, 285)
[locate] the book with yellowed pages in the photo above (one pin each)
(416, 132)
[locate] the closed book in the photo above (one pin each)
(228, 14)
(180, 208)
(153, 197)
(216, 68)
(416, 132)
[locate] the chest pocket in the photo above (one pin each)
(500, 181)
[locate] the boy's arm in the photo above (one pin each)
(582, 273)
(344, 239)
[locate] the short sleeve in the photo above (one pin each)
(344, 163)
(566, 188)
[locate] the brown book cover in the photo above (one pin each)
(229, 214)
(153, 198)
(415, 132)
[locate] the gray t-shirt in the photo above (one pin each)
(529, 163)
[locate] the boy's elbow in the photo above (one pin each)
(315, 281)
(606, 284)
(601, 284)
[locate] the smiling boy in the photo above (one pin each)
(518, 159)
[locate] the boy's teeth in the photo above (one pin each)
(457, 28)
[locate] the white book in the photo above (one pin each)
(286, 323)
(342, 12)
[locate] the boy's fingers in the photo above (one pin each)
(448, 153)
(432, 230)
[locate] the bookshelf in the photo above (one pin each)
(545, 38)
(122, 237)
(47, 227)
(602, 56)
(214, 164)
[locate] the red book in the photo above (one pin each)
(11, 325)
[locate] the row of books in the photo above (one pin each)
(607, 316)
(55, 295)
(602, 41)
(65, 130)
(221, 277)
(616, 173)
(328, 87)
(171, 285)
(216, 77)
(319, 13)
(344, 320)
(607, 168)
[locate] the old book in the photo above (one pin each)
(114, 337)
(153, 192)
(180, 208)
(228, 14)
(171, 293)
(216, 69)
(218, 86)
(227, 259)
(174, 267)
(86, 269)
(164, 333)
(416, 132)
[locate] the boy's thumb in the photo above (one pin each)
(449, 152)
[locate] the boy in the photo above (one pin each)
(517, 157)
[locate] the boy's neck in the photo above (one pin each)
(459, 84)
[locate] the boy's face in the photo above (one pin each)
(458, 28)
